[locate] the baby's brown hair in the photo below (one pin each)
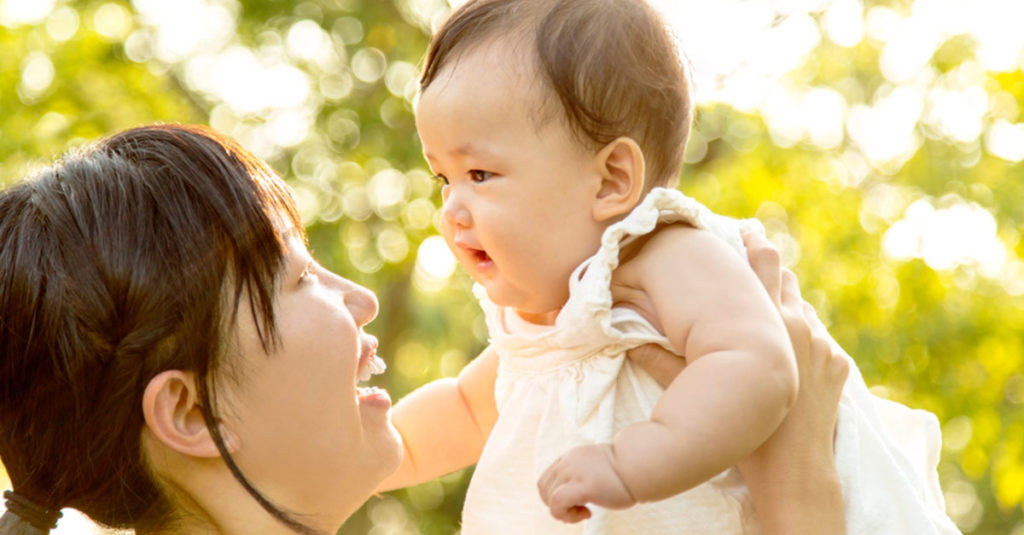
(612, 64)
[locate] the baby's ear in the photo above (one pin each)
(621, 167)
(172, 411)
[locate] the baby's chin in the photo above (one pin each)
(524, 303)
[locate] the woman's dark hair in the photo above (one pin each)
(120, 261)
(612, 64)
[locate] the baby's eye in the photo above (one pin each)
(477, 175)
(441, 179)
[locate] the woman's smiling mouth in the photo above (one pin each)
(369, 365)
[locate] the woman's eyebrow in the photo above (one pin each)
(291, 237)
(292, 232)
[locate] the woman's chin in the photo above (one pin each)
(385, 444)
(392, 450)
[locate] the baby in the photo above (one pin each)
(557, 128)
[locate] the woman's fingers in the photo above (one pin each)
(789, 294)
(838, 366)
(766, 262)
(659, 363)
(792, 312)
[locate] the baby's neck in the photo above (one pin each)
(542, 318)
(548, 317)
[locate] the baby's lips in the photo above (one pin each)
(467, 245)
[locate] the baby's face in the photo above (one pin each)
(519, 192)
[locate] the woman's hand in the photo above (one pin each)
(823, 365)
(659, 363)
(792, 477)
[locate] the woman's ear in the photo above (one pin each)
(621, 166)
(170, 406)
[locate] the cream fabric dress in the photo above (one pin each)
(570, 384)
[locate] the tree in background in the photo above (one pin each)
(880, 142)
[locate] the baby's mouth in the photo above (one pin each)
(473, 258)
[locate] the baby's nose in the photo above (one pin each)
(455, 213)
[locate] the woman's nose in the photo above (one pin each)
(362, 303)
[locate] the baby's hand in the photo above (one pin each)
(584, 475)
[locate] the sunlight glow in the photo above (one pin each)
(62, 24)
(816, 117)
(402, 79)
(435, 264)
(305, 39)
(958, 114)
(184, 27)
(112, 21)
(762, 72)
(387, 189)
(945, 237)
(246, 83)
(844, 22)
(756, 72)
(17, 12)
(369, 64)
(37, 73)
(289, 127)
(427, 13)
(908, 50)
(1006, 140)
(886, 131)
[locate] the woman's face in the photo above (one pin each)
(309, 439)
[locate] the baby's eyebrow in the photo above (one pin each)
(489, 150)
(465, 148)
(468, 148)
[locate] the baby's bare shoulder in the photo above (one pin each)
(670, 248)
(667, 253)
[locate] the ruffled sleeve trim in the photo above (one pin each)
(591, 281)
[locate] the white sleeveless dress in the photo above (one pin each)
(570, 384)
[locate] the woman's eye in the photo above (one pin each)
(306, 273)
(477, 175)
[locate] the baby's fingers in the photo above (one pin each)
(552, 478)
(567, 502)
(546, 482)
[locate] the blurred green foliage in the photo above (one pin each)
(947, 340)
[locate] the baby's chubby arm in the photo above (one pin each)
(739, 382)
(445, 423)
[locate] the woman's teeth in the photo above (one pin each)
(374, 367)
(369, 390)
